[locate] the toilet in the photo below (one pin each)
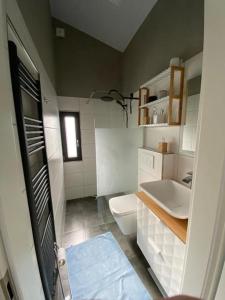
(124, 211)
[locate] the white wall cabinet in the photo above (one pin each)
(154, 165)
(164, 251)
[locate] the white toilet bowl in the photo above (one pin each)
(124, 211)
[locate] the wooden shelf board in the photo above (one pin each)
(155, 125)
(143, 107)
(156, 102)
(177, 226)
(177, 97)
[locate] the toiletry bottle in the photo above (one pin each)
(162, 116)
(155, 117)
(163, 146)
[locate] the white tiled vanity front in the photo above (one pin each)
(164, 251)
(163, 248)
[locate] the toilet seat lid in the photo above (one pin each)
(123, 205)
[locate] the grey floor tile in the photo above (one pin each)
(74, 207)
(74, 223)
(73, 238)
(103, 208)
(94, 231)
(101, 205)
(113, 227)
(88, 202)
(93, 219)
(127, 244)
(132, 241)
(145, 278)
(127, 249)
(108, 218)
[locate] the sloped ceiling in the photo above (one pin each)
(113, 22)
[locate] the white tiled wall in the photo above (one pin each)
(184, 164)
(15, 223)
(152, 136)
(133, 112)
(80, 176)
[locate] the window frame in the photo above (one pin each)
(76, 115)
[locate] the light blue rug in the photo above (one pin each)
(99, 270)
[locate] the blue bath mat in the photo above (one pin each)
(99, 270)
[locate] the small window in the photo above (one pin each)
(70, 131)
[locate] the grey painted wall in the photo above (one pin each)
(172, 28)
(84, 64)
(38, 19)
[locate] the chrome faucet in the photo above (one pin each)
(188, 179)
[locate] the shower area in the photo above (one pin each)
(116, 148)
(109, 139)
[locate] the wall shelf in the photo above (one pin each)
(167, 109)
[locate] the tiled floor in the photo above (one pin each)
(88, 217)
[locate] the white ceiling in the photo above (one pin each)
(114, 22)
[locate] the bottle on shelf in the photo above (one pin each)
(155, 117)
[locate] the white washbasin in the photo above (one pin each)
(170, 195)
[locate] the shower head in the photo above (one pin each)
(117, 94)
(100, 94)
(111, 95)
(107, 98)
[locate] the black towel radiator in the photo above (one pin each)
(28, 108)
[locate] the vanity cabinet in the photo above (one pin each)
(162, 248)
(154, 165)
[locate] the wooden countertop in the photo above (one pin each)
(178, 226)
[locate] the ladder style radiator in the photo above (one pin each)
(28, 108)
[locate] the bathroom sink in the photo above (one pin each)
(170, 195)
